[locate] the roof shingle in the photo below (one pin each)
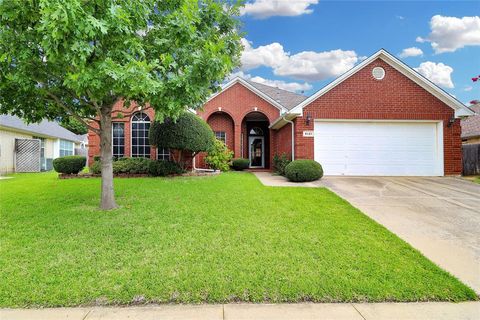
(471, 125)
(44, 128)
(286, 98)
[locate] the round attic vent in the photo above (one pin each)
(378, 73)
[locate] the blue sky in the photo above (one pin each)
(304, 44)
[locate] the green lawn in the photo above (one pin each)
(200, 239)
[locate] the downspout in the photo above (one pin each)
(199, 169)
(293, 136)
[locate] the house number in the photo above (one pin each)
(308, 133)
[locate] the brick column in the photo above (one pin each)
(237, 143)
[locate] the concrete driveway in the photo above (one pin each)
(440, 216)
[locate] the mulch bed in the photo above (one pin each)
(134, 175)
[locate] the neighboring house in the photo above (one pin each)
(379, 118)
(471, 127)
(32, 147)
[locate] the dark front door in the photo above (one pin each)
(257, 152)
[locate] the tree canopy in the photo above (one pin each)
(78, 58)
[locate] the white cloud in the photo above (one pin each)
(270, 55)
(468, 88)
(289, 86)
(411, 52)
(262, 9)
(451, 33)
(305, 65)
(399, 17)
(438, 73)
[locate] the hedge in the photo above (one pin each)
(69, 164)
(240, 164)
(140, 166)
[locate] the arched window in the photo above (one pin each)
(256, 131)
(140, 142)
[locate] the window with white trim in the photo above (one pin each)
(67, 148)
(118, 139)
(163, 154)
(222, 136)
(140, 142)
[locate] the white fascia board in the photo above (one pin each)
(280, 121)
(460, 109)
(251, 88)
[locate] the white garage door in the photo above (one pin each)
(379, 148)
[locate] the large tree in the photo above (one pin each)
(78, 58)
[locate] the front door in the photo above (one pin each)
(256, 152)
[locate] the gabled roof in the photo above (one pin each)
(471, 125)
(286, 98)
(45, 128)
(281, 99)
(460, 109)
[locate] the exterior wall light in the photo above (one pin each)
(451, 122)
(308, 119)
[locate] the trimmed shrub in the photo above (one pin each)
(189, 132)
(69, 164)
(240, 164)
(96, 167)
(303, 171)
(161, 168)
(124, 165)
(131, 165)
(280, 162)
(219, 157)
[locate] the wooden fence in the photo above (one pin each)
(471, 159)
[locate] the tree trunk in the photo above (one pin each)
(108, 195)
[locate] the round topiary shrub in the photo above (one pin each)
(240, 164)
(303, 171)
(187, 133)
(69, 164)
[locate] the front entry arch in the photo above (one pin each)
(257, 140)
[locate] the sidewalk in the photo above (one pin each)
(304, 311)
(270, 180)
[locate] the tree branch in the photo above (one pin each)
(70, 111)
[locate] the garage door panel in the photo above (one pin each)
(378, 148)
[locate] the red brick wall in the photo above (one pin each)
(395, 97)
(283, 141)
(127, 112)
(238, 101)
(221, 121)
(225, 112)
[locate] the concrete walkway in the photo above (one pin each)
(271, 180)
(304, 311)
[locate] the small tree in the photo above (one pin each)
(78, 58)
(186, 133)
(219, 157)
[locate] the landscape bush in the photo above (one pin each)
(219, 157)
(280, 162)
(188, 133)
(155, 168)
(303, 171)
(96, 167)
(161, 168)
(69, 164)
(240, 164)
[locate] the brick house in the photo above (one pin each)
(379, 118)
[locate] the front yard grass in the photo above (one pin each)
(200, 239)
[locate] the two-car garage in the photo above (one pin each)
(380, 148)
